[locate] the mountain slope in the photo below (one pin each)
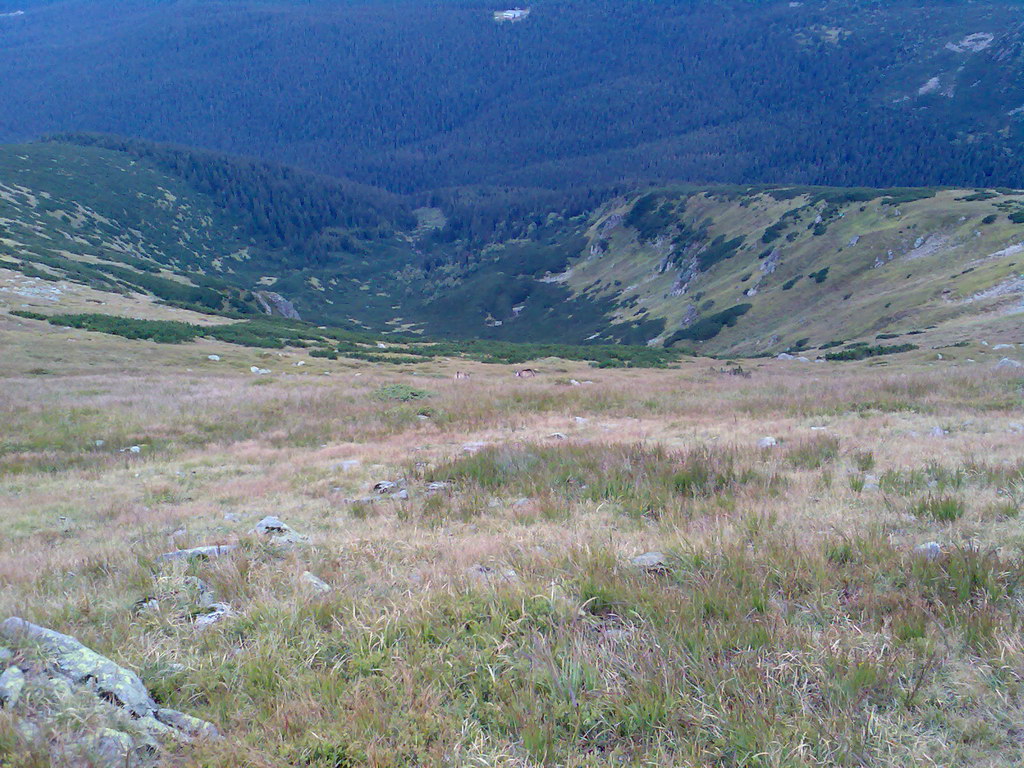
(720, 270)
(752, 271)
(419, 95)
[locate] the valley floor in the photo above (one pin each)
(787, 616)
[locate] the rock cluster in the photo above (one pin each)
(60, 679)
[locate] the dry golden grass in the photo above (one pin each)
(794, 625)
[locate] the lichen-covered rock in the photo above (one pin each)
(111, 749)
(81, 664)
(213, 550)
(12, 682)
(190, 726)
(651, 561)
(489, 573)
(76, 678)
(278, 532)
(214, 612)
(315, 583)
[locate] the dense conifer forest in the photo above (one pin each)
(420, 96)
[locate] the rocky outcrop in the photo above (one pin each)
(276, 304)
(115, 720)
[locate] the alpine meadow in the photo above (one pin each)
(444, 384)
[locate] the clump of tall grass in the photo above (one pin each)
(813, 452)
(944, 509)
(638, 477)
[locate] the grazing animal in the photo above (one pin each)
(461, 375)
(525, 373)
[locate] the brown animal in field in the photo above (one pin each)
(461, 375)
(525, 373)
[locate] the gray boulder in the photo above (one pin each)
(203, 553)
(929, 551)
(80, 665)
(488, 573)
(651, 561)
(277, 532)
(65, 661)
(315, 583)
(215, 612)
(1007, 364)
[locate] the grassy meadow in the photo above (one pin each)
(491, 615)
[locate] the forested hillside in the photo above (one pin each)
(713, 269)
(425, 95)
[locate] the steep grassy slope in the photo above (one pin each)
(756, 271)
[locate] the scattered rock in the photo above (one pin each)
(785, 356)
(580, 419)
(317, 584)
(929, 551)
(214, 358)
(259, 371)
(767, 442)
(215, 612)
(489, 574)
(999, 347)
(1006, 364)
(6, 654)
(385, 486)
(232, 517)
(939, 432)
(213, 550)
(438, 485)
(574, 383)
(278, 532)
(207, 596)
(132, 449)
(557, 436)
(12, 681)
(870, 482)
(651, 561)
